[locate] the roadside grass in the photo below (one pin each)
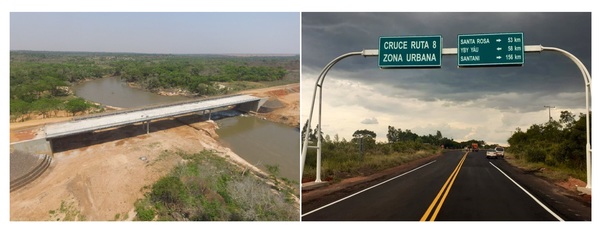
(340, 164)
(120, 217)
(66, 212)
(552, 173)
(205, 187)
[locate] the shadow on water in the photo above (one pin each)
(77, 141)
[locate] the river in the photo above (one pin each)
(260, 142)
(111, 91)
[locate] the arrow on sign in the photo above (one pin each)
(499, 48)
(498, 40)
(498, 57)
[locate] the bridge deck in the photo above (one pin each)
(134, 116)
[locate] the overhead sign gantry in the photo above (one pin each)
(474, 50)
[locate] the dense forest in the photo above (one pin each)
(40, 81)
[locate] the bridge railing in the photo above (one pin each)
(153, 106)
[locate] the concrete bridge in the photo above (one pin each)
(41, 143)
(29, 159)
(244, 103)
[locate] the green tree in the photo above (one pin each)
(76, 105)
(393, 134)
(567, 119)
(364, 133)
(44, 106)
(327, 138)
(19, 108)
(555, 143)
(438, 137)
(364, 137)
(311, 136)
(168, 190)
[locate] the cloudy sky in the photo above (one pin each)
(144, 32)
(484, 103)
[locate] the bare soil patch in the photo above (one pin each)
(288, 96)
(108, 175)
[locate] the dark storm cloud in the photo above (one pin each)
(544, 75)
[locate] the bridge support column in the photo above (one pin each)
(148, 127)
(252, 106)
(209, 114)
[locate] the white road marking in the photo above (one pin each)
(530, 195)
(364, 190)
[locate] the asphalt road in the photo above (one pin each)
(457, 186)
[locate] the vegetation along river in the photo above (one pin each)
(260, 142)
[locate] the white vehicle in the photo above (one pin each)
(499, 152)
(491, 154)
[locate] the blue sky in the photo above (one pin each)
(141, 32)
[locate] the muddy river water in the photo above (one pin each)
(260, 142)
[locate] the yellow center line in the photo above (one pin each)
(443, 191)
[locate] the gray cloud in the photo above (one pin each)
(545, 78)
(369, 121)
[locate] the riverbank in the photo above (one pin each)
(288, 99)
(100, 175)
(286, 96)
(288, 113)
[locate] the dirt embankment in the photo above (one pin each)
(283, 104)
(100, 175)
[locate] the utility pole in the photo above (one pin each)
(549, 117)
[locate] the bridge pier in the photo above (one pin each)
(250, 106)
(146, 126)
(204, 113)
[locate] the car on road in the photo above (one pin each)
(499, 152)
(491, 154)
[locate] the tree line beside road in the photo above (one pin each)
(363, 155)
(560, 144)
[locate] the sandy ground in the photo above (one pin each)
(289, 96)
(100, 175)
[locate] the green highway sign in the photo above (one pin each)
(410, 51)
(490, 49)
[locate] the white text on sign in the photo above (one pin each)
(409, 57)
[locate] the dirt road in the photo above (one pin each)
(99, 176)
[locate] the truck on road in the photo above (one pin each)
(475, 147)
